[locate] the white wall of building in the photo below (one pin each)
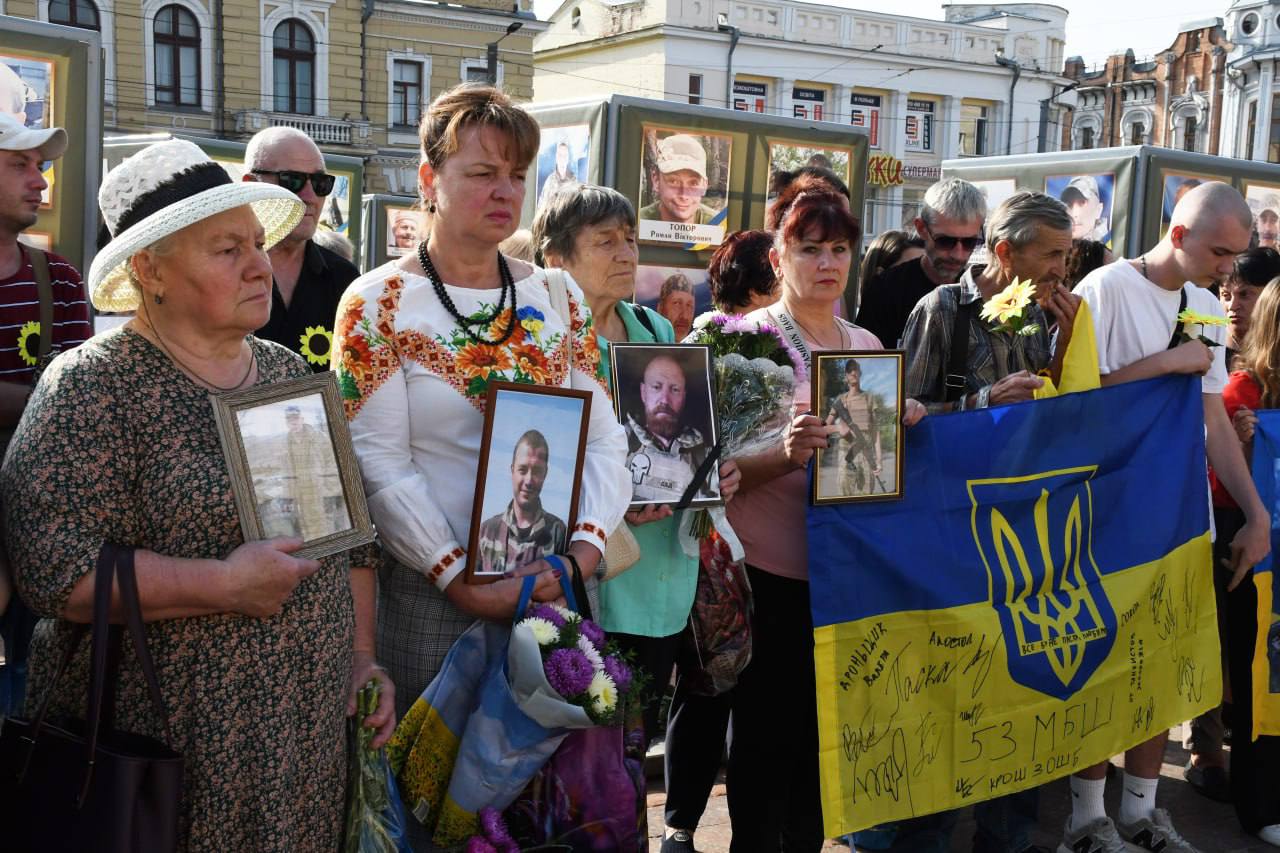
(1250, 89)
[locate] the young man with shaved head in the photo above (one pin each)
(1134, 303)
(309, 279)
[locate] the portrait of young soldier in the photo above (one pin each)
(856, 414)
(524, 531)
(678, 182)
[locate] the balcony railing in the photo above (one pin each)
(325, 131)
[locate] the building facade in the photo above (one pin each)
(1251, 103)
(355, 75)
(922, 90)
(1174, 100)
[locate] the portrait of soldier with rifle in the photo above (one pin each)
(856, 414)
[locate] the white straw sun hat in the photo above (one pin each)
(161, 190)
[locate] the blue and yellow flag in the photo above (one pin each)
(1266, 658)
(1039, 600)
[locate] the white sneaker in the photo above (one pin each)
(1097, 837)
(1156, 834)
(1270, 834)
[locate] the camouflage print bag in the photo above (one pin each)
(716, 644)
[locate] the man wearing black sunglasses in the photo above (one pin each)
(309, 279)
(950, 223)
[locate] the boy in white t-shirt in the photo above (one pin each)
(1133, 305)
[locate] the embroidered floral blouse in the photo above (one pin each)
(414, 388)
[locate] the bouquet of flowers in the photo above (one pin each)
(1008, 307)
(580, 664)
(757, 372)
(375, 819)
(1194, 318)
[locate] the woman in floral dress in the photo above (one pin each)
(419, 340)
(253, 647)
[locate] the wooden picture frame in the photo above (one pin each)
(267, 433)
(514, 412)
(846, 471)
(663, 480)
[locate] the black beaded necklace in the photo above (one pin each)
(466, 324)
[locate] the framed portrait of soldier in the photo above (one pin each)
(563, 160)
(530, 475)
(1173, 187)
(684, 186)
(1088, 199)
(1264, 202)
(404, 230)
(859, 393)
(788, 157)
(663, 397)
(293, 471)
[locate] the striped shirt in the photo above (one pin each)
(20, 317)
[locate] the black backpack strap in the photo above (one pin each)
(44, 287)
(1176, 338)
(951, 384)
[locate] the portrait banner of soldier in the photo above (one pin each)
(679, 294)
(1088, 199)
(1264, 201)
(1174, 187)
(404, 230)
(563, 162)
(788, 157)
(529, 477)
(684, 186)
(859, 394)
(293, 471)
(663, 398)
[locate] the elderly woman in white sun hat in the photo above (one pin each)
(253, 646)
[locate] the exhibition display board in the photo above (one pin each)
(393, 225)
(341, 211)
(51, 76)
(693, 173)
(1124, 196)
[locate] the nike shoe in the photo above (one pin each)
(1156, 834)
(1097, 837)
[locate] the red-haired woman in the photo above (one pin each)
(775, 744)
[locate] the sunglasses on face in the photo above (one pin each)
(321, 182)
(946, 242)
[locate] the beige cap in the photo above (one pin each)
(682, 151)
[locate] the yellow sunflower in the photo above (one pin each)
(29, 343)
(317, 342)
(1008, 303)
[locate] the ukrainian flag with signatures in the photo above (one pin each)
(1266, 657)
(1038, 601)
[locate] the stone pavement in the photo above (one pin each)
(1209, 825)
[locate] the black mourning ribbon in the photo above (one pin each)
(699, 477)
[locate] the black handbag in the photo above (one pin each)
(80, 785)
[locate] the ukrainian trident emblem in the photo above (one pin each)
(1034, 534)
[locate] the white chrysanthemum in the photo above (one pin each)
(568, 615)
(544, 631)
(603, 693)
(584, 646)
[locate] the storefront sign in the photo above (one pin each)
(884, 170)
(864, 112)
(919, 125)
(812, 102)
(928, 173)
(749, 97)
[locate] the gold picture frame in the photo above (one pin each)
(292, 465)
(858, 471)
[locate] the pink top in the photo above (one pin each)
(770, 519)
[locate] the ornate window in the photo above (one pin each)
(177, 57)
(1086, 137)
(1189, 134)
(75, 13)
(294, 68)
(406, 92)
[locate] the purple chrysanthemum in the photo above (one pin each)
(476, 844)
(593, 632)
(494, 827)
(619, 672)
(543, 611)
(568, 671)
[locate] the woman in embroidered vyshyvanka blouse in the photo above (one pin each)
(419, 341)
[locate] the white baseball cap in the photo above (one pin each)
(682, 151)
(16, 136)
